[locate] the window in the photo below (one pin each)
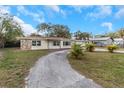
(56, 43)
(66, 43)
(36, 43)
(33, 43)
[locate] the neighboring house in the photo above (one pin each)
(118, 41)
(35, 43)
(102, 41)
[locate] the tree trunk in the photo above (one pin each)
(2, 43)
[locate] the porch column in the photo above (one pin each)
(48, 44)
(61, 44)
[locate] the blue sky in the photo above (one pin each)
(92, 19)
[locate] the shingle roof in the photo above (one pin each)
(40, 38)
(102, 38)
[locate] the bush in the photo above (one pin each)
(90, 47)
(12, 44)
(83, 46)
(111, 48)
(76, 51)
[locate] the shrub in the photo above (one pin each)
(76, 51)
(83, 46)
(111, 48)
(90, 47)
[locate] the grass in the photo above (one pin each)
(120, 49)
(106, 69)
(15, 65)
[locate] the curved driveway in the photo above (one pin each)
(54, 71)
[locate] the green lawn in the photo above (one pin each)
(119, 49)
(15, 65)
(104, 68)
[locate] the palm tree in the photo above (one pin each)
(82, 35)
(77, 35)
(85, 35)
(121, 34)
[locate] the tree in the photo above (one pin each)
(44, 28)
(85, 35)
(35, 35)
(9, 29)
(78, 35)
(121, 34)
(112, 35)
(54, 30)
(82, 35)
(60, 31)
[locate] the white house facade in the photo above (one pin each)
(35, 43)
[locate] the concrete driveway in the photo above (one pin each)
(54, 71)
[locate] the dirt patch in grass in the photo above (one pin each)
(15, 66)
(104, 68)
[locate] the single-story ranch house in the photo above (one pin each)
(35, 43)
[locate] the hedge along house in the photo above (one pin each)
(35, 43)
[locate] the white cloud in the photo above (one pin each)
(56, 9)
(101, 12)
(4, 9)
(26, 28)
(108, 25)
(64, 13)
(79, 8)
(120, 12)
(22, 9)
(38, 17)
